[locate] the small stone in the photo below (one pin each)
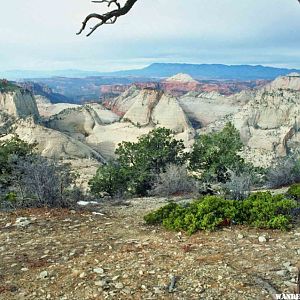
(98, 270)
(75, 273)
(73, 211)
(292, 269)
(141, 272)
(24, 269)
(157, 290)
(43, 275)
(262, 239)
(287, 264)
(240, 236)
(298, 251)
(282, 273)
(119, 285)
(82, 275)
(200, 290)
(101, 283)
(115, 278)
(126, 291)
(289, 284)
(22, 222)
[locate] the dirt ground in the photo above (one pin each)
(109, 253)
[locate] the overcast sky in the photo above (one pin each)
(40, 35)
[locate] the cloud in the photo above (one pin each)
(41, 34)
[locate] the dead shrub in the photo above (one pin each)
(175, 180)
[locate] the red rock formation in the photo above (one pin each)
(116, 89)
(181, 84)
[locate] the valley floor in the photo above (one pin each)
(70, 255)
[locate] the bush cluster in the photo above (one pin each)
(285, 172)
(30, 180)
(294, 192)
(158, 164)
(215, 154)
(138, 164)
(259, 210)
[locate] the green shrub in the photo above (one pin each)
(109, 179)
(264, 210)
(294, 192)
(205, 214)
(209, 213)
(159, 215)
(138, 164)
(11, 151)
(214, 154)
(259, 210)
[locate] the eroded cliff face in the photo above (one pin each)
(268, 120)
(142, 111)
(80, 121)
(19, 104)
(288, 82)
(269, 123)
(122, 103)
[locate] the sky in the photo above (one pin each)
(41, 35)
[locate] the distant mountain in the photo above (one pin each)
(164, 70)
(208, 71)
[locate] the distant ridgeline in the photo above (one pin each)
(160, 70)
(208, 71)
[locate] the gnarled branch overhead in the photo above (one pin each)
(107, 18)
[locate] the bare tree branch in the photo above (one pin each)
(107, 18)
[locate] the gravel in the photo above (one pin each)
(116, 256)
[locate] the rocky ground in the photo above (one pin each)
(109, 253)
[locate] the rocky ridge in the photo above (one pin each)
(19, 103)
(267, 119)
(268, 122)
(142, 111)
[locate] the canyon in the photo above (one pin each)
(87, 135)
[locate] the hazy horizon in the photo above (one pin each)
(253, 32)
